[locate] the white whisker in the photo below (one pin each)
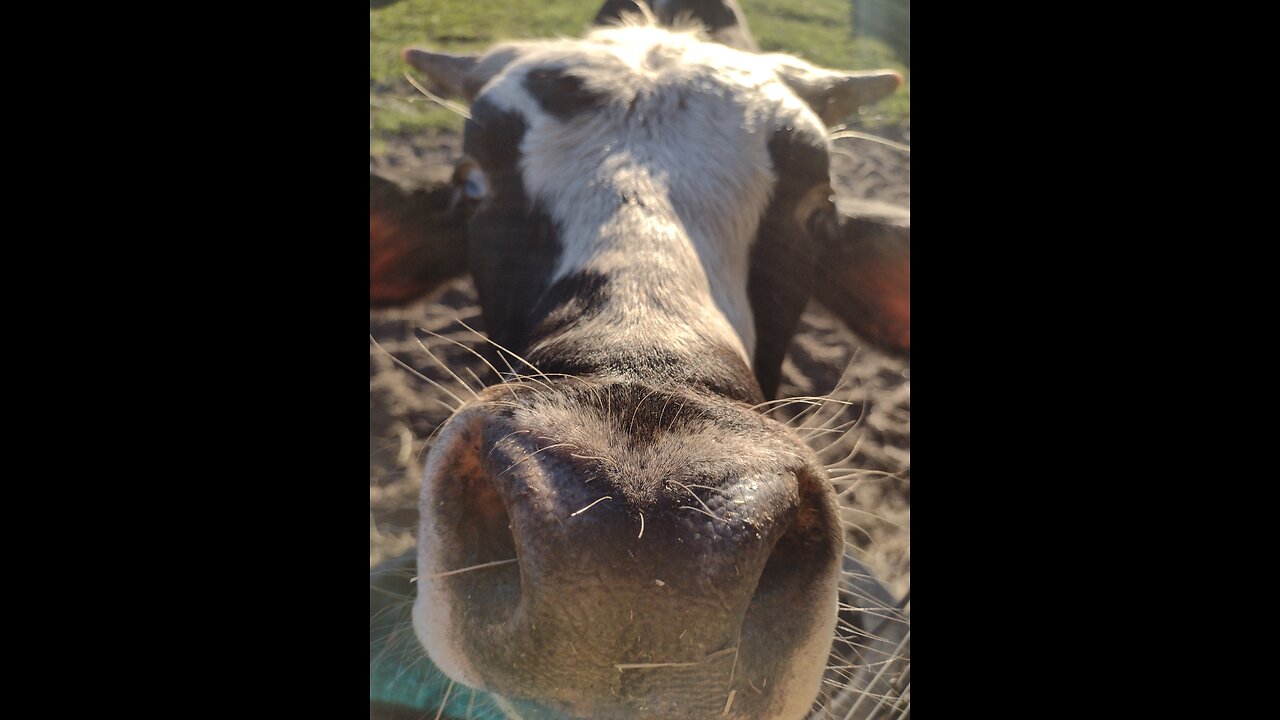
(434, 384)
(481, 566)
(446, 368)
(532, 455)
(445, 701)
(704, 512)
(593, 504)
(695, 497)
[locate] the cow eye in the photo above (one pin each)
(469, 180)
(816, 205)
(469, 183)
(475, 186)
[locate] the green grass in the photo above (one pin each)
(816, 30)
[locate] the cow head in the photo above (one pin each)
(617, 531)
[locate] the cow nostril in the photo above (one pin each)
(782, 563)
(493, 524)
(801, 555)
(483, 559)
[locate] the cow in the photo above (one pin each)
(618, 530)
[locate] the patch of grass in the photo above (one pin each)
(821, 32)
(817, 30)
(392, 113)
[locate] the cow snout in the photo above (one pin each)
(579, 559)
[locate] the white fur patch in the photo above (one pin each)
(683, 139)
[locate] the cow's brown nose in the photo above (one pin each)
(583, 568)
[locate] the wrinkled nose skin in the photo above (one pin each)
(658, 568)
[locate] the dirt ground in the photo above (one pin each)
(404, 410)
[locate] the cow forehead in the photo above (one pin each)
(620, 64)
(659, 113)
(677, 125)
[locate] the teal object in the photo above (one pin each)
(401, 676)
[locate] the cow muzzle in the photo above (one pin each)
(625, 552)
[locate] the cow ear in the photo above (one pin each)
(449, 74)
(834, 94)
(417, 237)
(864, 275)
(461, 76)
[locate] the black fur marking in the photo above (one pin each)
(722, 19)
(713, 368)
(798, 156)
(714, 14)
(560, 93)
(492, 136)
(582, 296)
(613, 10)
(572, 299)
(784, 253)
(514, 244)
